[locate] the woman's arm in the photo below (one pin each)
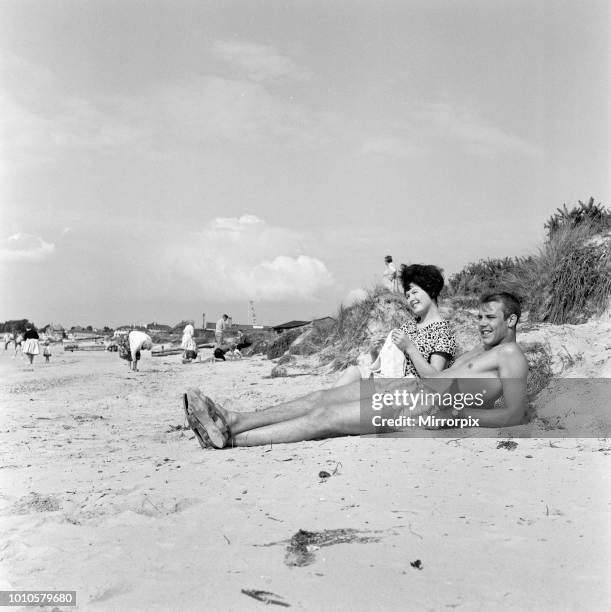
(439, 361)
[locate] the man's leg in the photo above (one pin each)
(322, 414)
(349, 375)
(323, 399)
(341, 419)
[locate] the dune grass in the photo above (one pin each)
(566, 281)
(593, 213)
(281, 344)
(363, 326)
(571, 277)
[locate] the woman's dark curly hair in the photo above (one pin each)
(428, 278)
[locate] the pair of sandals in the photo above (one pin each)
(206, 420)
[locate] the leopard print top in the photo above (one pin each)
(436, 337)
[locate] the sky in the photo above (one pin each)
(161, 160)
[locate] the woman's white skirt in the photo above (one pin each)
(30, 346)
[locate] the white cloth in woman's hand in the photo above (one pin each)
(390, 362)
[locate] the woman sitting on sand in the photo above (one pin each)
(427, 341)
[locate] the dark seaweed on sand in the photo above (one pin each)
(266, 597)
(507, 444)
(301, 547)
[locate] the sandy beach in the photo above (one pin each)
(419, 189)
(106, 493)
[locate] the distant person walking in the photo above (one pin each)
(389, 275)
(221, 326)
(8, 338)
(18, 343)
(46, 351)
(30, 343)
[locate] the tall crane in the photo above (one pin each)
(252, 316)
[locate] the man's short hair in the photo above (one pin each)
(225, 316)
(511, 304)
(388, 259)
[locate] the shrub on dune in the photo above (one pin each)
(281, 344)
(362, 324)
(567, 281)
(572, 275)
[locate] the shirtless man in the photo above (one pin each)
(497, 367)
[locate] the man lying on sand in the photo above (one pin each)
(497, 365)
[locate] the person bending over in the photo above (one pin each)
(135, 342)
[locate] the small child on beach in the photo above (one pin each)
(18, 343)
(47, 351)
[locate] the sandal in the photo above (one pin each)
(204, 426)
(215, 413)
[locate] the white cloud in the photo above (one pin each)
(236, 110)
(260, 62)
(39, 118)
(246, 258)
(236, 223)
(385, 147)
(427, 128)
(284, 278)
(354, 296)
(24, 248)
(463, 125)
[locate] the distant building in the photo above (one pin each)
(321, 322)
(249, 327)
(81, 333)
(289, 325)
(53, 332)
(158, 328)
(53, 328)
(179, 327)
(235, 327)
(121, 330)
